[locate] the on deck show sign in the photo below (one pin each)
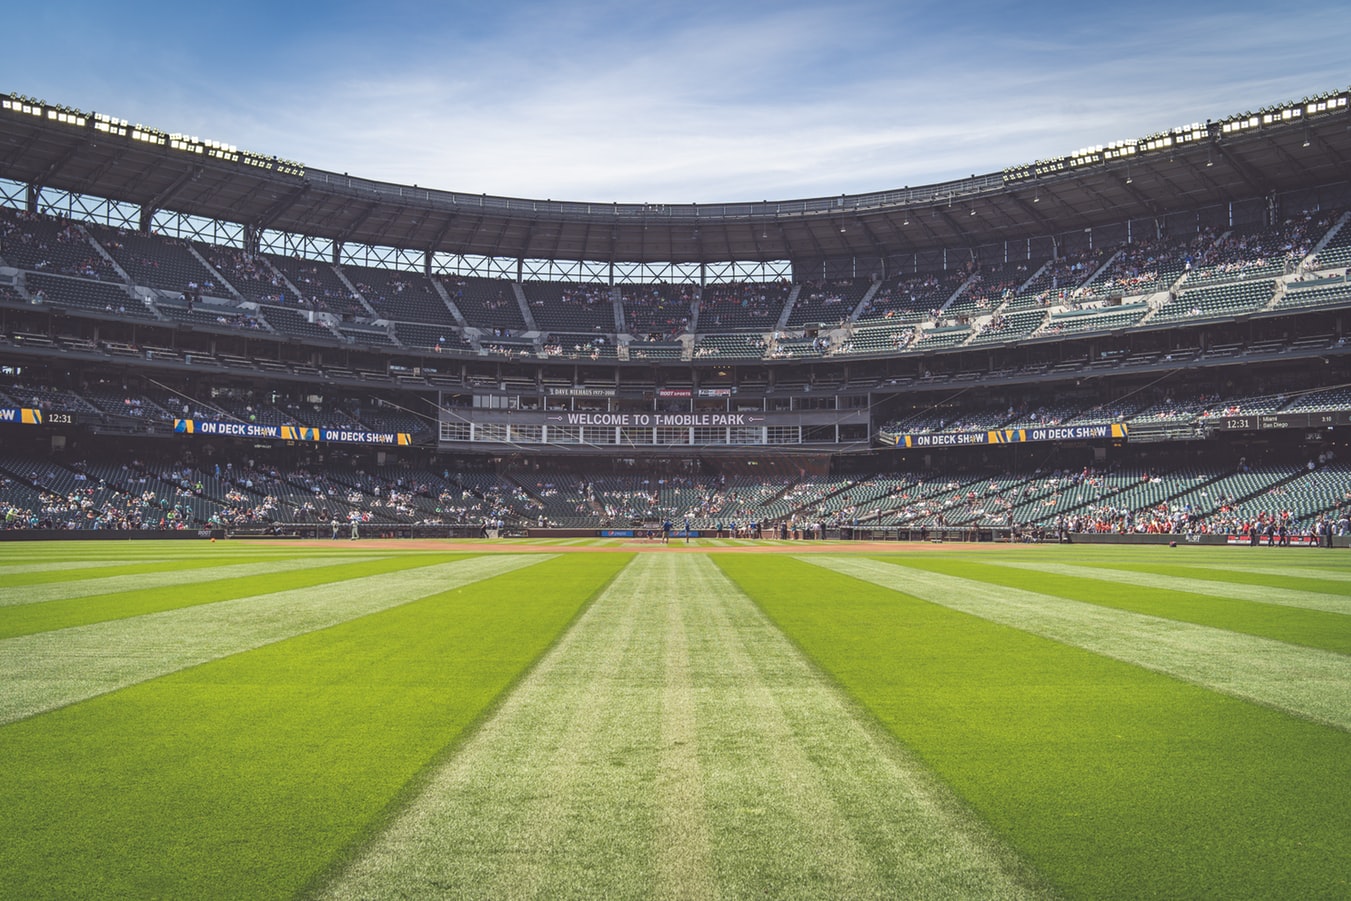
(289, 433)
(1010, 436)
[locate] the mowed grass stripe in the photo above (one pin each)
(674, 744)
(807, 798)
(244, 778)
(506, 815)
(1334, 568)
(88, 584)
(1113, 780)
(1306, 682)
(1312, 628)
(1235, 585)
(125, 569)
(52, 669)
(10, 569)
(683, 845)
(1298, 578)
(26, 619)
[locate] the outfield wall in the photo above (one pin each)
(108, 534)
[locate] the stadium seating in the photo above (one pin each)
(826, 303)
(749, 306)
(46, 244)
(488, 304)
(101, 297)
(319, 286)
(157, 262)
(658, 311)
(572, 308)
(1224, 300)
(400, 295)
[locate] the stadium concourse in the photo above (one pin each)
(1146, 339)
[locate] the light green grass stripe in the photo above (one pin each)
(684, 853)
(1302, 568)
(26, 619)
(1302, 681)
(1308, 600)
(62, 591)
(675, 744)
(52, 669)
(568, 754)
(808, 797)
(7, 569)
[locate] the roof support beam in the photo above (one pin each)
(58, 164)
(281, 205)
(149, 208)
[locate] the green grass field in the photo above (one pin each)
(191, 720)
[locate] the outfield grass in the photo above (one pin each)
(247, 776)
(1112, 780)
(185, 720)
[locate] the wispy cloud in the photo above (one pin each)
(602, 102)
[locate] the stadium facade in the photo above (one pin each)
(1148, 333)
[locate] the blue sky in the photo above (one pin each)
(691, 102)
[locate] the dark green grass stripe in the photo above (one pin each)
(27, 619)
(1114, 781)
(17, 580)
(245, 777)
(1312, 628)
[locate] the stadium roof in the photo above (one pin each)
(1283, 148)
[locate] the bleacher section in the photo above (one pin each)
(1145, 267)
(488, 304)
(101, 297)
(1096, 319)
(909, 299)
(738, 346)
(156, 262)
(749, 306)
(1010, 327)
(826, 303)
(571, 308)
(1229, 299)
(400, 296)
(660, 312)
(45, 244)
(319, 287)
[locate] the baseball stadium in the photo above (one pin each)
(979, 539)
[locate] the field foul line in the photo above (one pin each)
(47, 670)
(1262, 594)
(640, 757)
(1306, 682)
(63, 591)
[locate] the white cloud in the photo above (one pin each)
(585, 104)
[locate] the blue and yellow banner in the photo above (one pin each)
(21, 415)
(289, 433)
(1008, 436)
